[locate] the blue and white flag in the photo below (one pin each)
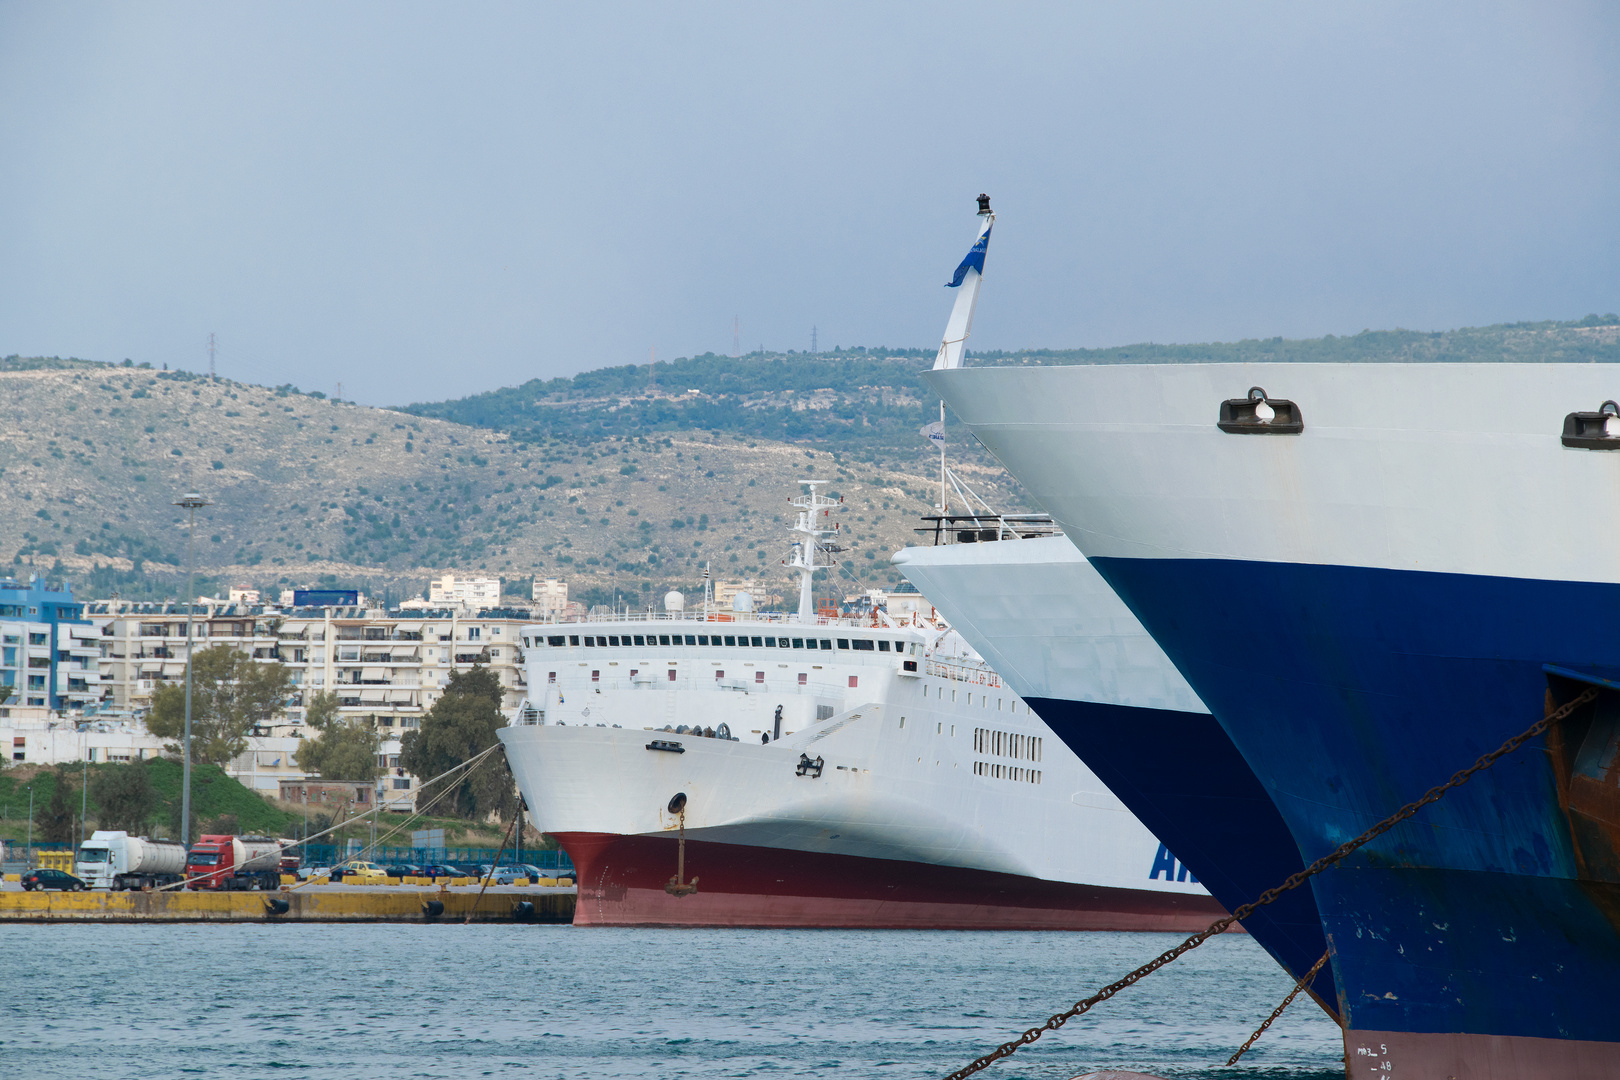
(975, 260)
(934, 433)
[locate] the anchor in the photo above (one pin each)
(677, 886)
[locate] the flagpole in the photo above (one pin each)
(944, 505)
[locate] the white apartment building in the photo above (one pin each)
(470, 592)
(550, 597)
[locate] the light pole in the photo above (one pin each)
(84, 795)
(192, 503)
(30, 826)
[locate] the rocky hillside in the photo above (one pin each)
(307, 490)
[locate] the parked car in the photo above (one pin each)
(357, 868)
(52, 879)
(307, 872)
(535, 873)
(403, 870)
(449, 870)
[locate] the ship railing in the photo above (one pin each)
(986, 528)
(974, 674)
(774, 617)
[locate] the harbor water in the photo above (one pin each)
(340, 1001)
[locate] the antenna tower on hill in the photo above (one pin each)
(812, 341)
(211, 357)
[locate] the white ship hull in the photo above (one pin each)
(941, 800)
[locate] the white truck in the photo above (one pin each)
(117, 860)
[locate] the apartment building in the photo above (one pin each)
(469, 592)
(142, 647)
(550, 597)
(48, 651)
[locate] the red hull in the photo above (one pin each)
(621, 883)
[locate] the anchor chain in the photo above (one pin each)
(678, 886)
(1310, 977)
(1294, 881)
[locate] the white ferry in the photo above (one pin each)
(734, 768)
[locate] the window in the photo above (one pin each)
(804, 678)
(614, 641)
(758, 642)
(590, 642)
(731, 640)
(551, 676)
(883, 646)
(557, 640)
(38, 639)
(770, 643)
(596, 676)
(36, 682)
(900, 646)
(474, 633)
(864, 644)
(663, 639)
(825, 644)
(690, 640)
(573, 639)
(640, 640)
(843, 643)
(798, 643)
(759, 676)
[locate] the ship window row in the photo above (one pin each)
(735, 641)
(1006, 772)
(1006, 744)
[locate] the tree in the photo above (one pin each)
(345, 748)
(461, 725)
(55, 820)
(230, 693)
(124, 796)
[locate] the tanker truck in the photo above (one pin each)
(117, 861)
(234, 862)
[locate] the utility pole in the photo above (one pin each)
(812, 341)
(192, 503)
(211, 377)
(30, 825)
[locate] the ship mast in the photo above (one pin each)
(809, 542)
(969, 274)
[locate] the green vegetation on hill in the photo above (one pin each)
(213, 794)
(871, 402)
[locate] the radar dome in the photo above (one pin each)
(674, 601)
(742, 602)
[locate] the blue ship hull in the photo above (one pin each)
(1350, 691)
(1179, 773)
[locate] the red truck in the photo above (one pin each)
(234, 862)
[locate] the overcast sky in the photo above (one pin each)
(424, 201)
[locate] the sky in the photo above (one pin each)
(421, 201)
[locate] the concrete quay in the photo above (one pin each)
(312, 903)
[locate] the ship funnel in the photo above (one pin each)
(674, 601)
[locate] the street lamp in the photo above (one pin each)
(192, 503)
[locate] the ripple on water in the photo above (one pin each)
(534, 1001)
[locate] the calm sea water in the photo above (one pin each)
(407, 1001)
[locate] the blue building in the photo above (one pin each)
(50, 654)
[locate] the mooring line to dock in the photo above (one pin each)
(1434, 794)
(493, 866)
(1306, 980)
(358, 817)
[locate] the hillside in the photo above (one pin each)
(870, 403)
(306, 490)
(623, 480)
